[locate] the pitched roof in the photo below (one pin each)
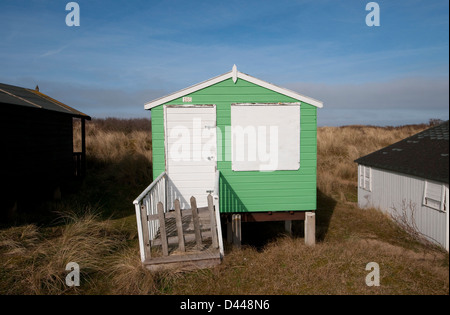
(15, 95)
(235, 75)
(423, 155)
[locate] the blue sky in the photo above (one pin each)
(125, 53)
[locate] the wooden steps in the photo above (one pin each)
(183, 262)
(196, 248)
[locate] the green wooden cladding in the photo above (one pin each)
(252, 191)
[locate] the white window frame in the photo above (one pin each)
(365, 172)
(442, 201)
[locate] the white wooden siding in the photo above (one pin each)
(391, 192)
(190, 174)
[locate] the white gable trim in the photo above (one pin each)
(280, 90)
(234, 74)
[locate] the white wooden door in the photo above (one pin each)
(191, 153)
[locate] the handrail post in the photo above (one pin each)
(140, 233)
(166, 185)
(83, 147)
(217, 211)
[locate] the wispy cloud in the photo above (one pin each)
(53, 52)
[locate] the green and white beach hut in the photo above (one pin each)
(249, 143)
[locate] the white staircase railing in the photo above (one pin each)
(145, 205)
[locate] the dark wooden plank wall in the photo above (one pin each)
(36, 149)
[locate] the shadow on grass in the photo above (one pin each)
(115, 184)
(109, 189)
(260, 234)
(325, 210)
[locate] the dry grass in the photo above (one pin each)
(119, 163)
(97, 229)
(287, 266)
(338, 147)
(128, 275)
(336, 265)
(106, 146)
(34, 259)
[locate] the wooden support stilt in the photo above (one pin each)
(230, 230)
(310, 228)
(237, 233)
(288, 226)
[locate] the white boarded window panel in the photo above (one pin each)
(265, 137)
(433, 195)
(367, 178)
(361, 176)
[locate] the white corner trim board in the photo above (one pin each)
(234, 74)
